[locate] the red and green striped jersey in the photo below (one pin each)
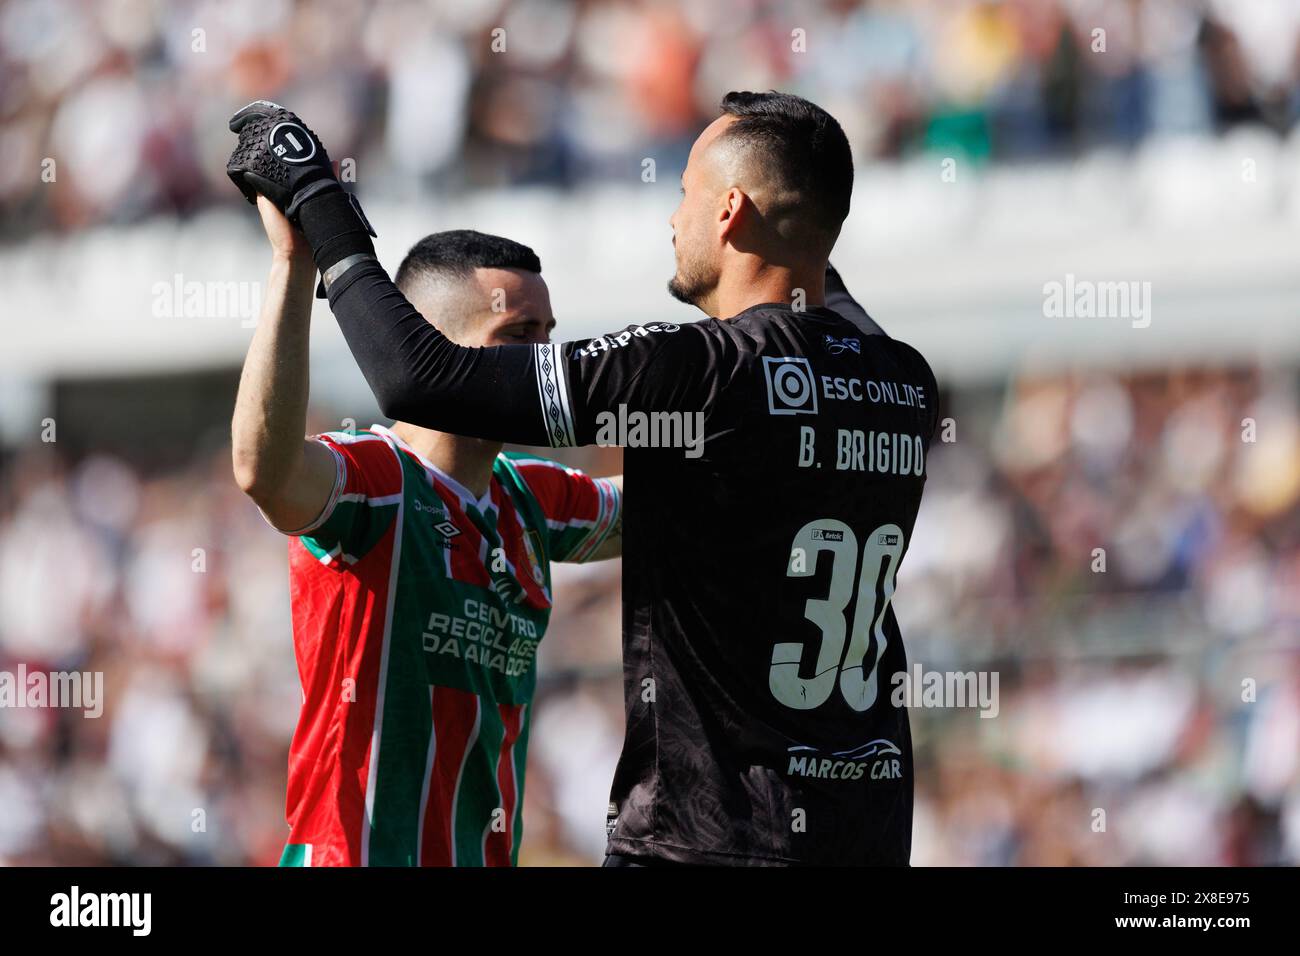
(417, 612)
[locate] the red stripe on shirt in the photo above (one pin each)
(338, 629)
(454, 714)
(498, 846)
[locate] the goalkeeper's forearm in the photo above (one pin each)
(417, 374)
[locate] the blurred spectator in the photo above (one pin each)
(124, 102)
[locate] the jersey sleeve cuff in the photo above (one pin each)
(611, 514)
(340, 482)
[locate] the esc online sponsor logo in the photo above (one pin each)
(877, 760)
(794, 389)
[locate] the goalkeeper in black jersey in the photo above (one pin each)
(759, 638)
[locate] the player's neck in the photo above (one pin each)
(754, 282)
(468, 460)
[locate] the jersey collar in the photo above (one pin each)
(467, 497)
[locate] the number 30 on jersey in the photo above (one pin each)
(853, 673)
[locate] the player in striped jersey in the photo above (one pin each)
(419, 575)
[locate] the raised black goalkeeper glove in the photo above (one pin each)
(278, 157)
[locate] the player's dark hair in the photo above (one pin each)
(802, 145)
(461, 251)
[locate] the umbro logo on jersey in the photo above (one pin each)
(443, 525)
(838, 346)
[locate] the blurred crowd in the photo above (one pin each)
(112, 110)
(1123, 551)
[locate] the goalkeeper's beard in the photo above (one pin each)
(692, 284)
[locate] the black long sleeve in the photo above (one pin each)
(530, 394)
(544, 395)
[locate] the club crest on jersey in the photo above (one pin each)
(839, 346)
(531, 549)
